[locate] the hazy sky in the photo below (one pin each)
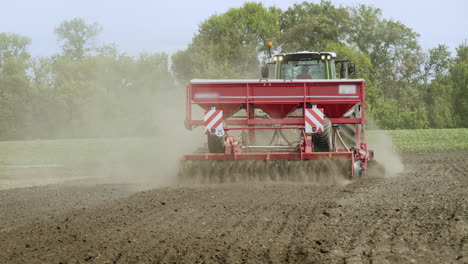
(169, 25)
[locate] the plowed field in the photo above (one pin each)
(418, 216)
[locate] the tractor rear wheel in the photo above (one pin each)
(216, 144)
(348, 133)
(323, 141)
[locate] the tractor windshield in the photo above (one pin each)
(303, 69)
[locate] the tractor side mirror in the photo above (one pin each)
(351, 68)
(343, 73)
(265, 72)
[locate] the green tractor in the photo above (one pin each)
(306, 65)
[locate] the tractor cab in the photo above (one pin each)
(306, 65)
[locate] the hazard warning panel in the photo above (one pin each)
(314, 120)
(213, 122)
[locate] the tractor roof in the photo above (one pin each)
(333, 54)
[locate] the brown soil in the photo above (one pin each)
(419, 216)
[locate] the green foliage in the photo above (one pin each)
(90, 90)
(77, 37)
(436, 63)
(14, 84)
(228, 45)
(392, 47)
(77, 94)
(111, 96)
(459, 75)
(428, 139)
(447, 94)
(309, 26)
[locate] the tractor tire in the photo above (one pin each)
(323, 141)
(216, 144)
(348, 133)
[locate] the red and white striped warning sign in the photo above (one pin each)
(213, 122)
(313, 120)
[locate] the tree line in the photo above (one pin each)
(85, 91)
(88, 90)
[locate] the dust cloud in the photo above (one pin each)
(385, 153)
(156, 162)
(141, 162)
(314, 172)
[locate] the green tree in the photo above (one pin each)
(448, 93)
(77, 37)
(309, 26)
(14, 61)
(459, 75)
(14, 85)
(396, 58)
(392, 47)
(228, 45)
(436, 63)
(75, 83)
(47, 113)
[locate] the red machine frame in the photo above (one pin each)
(278, 98)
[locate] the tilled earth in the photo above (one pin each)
(419, 216)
